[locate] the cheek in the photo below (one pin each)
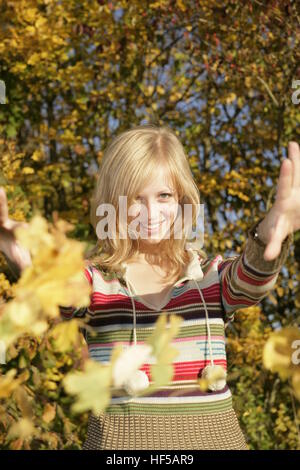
(134, 210)
(170, 211)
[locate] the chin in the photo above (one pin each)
(153, 240)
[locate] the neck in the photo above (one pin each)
(148, 249)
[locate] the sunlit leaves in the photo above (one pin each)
(282, 354)
(49, 412)
(65, 335)
(56, 277)
(22, 429)
(201, 69)
(8, 382)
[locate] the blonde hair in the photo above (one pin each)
(128, 161)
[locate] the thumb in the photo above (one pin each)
(274, 246)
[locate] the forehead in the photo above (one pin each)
(161, 180)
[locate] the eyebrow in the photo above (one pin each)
(172, 191)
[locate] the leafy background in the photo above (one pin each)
(79, 72)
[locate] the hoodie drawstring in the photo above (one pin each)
(207, 324)
(206, 315)
(208, 371)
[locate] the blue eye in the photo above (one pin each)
(161, 194)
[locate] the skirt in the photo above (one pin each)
(218, 431)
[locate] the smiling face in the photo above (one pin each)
(154, 208)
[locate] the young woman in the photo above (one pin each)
(140, 272)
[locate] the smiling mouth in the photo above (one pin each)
(151, 227)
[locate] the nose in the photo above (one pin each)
(153, 212)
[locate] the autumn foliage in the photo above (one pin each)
(222, 75)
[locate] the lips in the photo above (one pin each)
(151, 227)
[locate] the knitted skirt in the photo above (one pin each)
(219, 431)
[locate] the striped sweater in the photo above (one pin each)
(226, 284)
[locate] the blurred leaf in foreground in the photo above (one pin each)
(56, 277)
(282, 354)
(94, 385)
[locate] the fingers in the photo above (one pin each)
(273, 247)
(3, 207)
(285, 181)
(289, 176)
(294, 155)
(278, 234)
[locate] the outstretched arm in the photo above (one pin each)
(247, 278)
(284, 216)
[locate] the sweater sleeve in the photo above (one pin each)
(247, 278)
(13, 268)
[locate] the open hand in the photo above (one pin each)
(284, 216)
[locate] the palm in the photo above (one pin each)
(284, 217)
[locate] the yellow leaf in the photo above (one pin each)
(160, 90)
(155, 5)
(280, 291)
(248, 82)
(17, 444)
(23, 402)
(163, 350)
(18, 67)
(149, 90)
(230, 98)
(34, 59)
(49, 413)
(36, 156)
(272, 299)
(8, 383)
(65, 335)
(27, 170)
(56, 277)
(278, 351)
(21, 316)
(30, 14)
(23, 429)
(228, 243)
(50, 385)
(181, 5)
(41, 21)
(91, 387)
(161, 374)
